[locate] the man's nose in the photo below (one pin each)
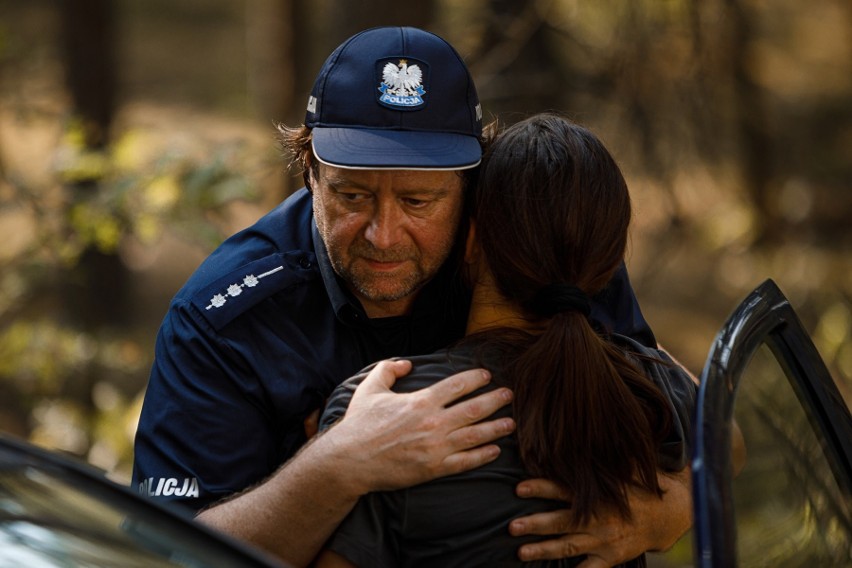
(385, 226)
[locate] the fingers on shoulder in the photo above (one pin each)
(456, 386)
(469, 459)
(543, 489)
(449, 390)
(385, 373)
(567, 546)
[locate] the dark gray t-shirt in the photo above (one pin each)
(462, 520)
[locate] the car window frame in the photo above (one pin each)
(764, 317)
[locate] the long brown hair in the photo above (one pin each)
(552, 209)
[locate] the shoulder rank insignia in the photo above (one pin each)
(235, 289)
(240, 290)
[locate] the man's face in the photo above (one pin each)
(387, 231)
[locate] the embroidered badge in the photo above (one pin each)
(402, 85)
(234, 290)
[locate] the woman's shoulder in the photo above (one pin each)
(426, 370)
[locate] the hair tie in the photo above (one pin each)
(555, 298)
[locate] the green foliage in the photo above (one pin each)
(116, 195)
(74, 386)
(55, 370)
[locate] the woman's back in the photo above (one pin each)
(462, 520)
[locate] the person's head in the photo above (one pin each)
(550, 207)
(550, 213)
(392, 131)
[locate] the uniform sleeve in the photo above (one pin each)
(680, 390)
(204, 431)
(616, 310)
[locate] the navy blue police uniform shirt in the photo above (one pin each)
(258, 338)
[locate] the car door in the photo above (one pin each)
(56, 512)
(791, 505)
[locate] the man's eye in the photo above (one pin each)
(413, 202)
(353, 197)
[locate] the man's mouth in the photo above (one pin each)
(383, 265)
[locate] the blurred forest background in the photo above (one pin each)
(136, 135)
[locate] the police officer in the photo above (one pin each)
(355, 268)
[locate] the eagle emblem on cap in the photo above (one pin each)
(402, 84)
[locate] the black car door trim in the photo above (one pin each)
(765, 316)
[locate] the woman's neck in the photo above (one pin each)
(489, 309)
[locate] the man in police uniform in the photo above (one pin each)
(355, 269)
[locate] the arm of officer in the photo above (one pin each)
(608, 539)
(385, 441)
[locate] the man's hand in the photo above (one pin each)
(392, 440)
(386, 440)
(608, 539)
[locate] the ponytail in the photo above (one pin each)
(586, 416)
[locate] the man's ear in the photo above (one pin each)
(308, 176)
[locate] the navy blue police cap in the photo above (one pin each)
(395, 98)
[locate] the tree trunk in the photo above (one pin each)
(96, 290)
(753, 125)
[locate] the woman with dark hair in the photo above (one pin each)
(595, 411)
